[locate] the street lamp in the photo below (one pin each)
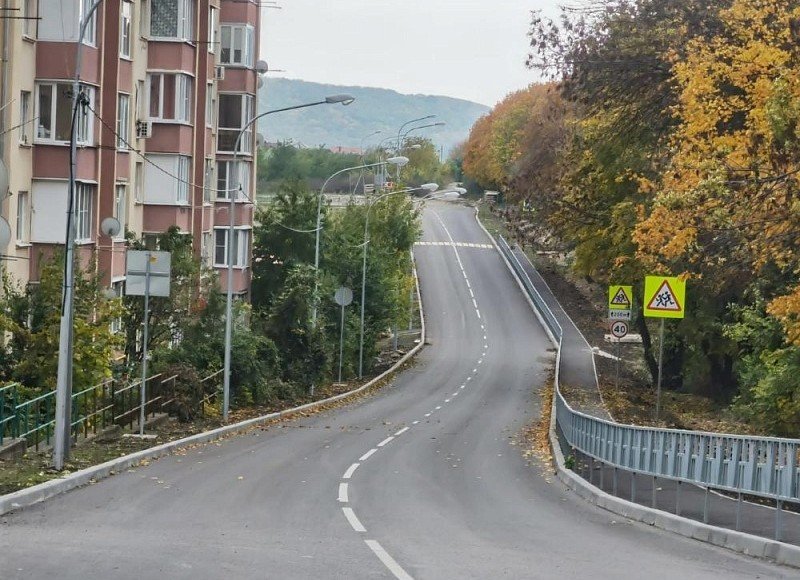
(61, 444)
(226, 389)
(398, 161)
(407, 123)
(412, 129)
(431, 187)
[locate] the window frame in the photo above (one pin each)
(84, 205)
(25, 119)
(241, 246)
(121, 208)
(247, 38)
(184, 21)
(23, 222)
(244, 169)
(123, 124)
(184, 167)
(90, 38)
(85, 124)
(213, 33)
(183, 98)
(30, 24)
(125, 29)
(247, 111)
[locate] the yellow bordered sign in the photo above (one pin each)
(620, 297)
(664, 297)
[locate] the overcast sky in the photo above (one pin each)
(470, 49)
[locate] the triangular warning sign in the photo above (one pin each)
(665, 300)
(621, 298)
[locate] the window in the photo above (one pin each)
(144, 19)
(234, 112)
(138, 181)
(23, 217)
(241, 247)
(121, 207)
(210, 105)
(172, 19)
(167, 179)
(123, 121)
(54, 113)
(24, 117)
(84, 195)
(170, 97)
(237, 44)
(117, 292)
(209, 180)
(91, 29)
(233, 176)
(183, 183)
(212, 29)
(125, 18)
(29, 18)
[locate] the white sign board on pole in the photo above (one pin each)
(136, 272)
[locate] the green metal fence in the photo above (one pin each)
(93, 409)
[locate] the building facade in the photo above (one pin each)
(166, 87)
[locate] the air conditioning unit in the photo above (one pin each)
(219, 73)
(144, 129)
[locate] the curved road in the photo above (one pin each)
(426, 479)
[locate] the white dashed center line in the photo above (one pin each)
(343, 493)
(385, 441)
(350, 470)
(401, 431)
(387, 560)
(354, 522)
(368, 454)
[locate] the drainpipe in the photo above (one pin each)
(4, 81)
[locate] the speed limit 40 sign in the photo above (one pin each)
(619, 329)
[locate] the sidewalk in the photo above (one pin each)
(577, 375)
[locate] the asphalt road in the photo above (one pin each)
(425, 479)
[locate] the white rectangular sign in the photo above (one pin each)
(136, 270)
(619, 314)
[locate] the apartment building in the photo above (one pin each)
(166, 87)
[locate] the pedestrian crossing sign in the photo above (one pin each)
(619, 297)
(664, 297)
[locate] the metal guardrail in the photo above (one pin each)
(766, 467)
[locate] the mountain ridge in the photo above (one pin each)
(375, 109)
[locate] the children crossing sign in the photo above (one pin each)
(619, 297)
(664, 297)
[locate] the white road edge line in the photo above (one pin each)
(385, 441)
(350, 470)
(368, 454)
(478, 312)
(415, 423)
(427, 414)
(388, 561)
(343, 497)
(351, 517)
(439, 407)
(401, 431)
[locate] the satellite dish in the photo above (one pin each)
(5, 232)
(110, 226)
(3, 180)
(261, 67)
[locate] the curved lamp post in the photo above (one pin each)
(407, 123)
(431, 187)
(398, 161)
(61, 443)
(226, 388)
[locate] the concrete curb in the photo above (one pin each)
(741, 542)
(49, 489)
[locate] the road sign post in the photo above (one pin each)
(619, 329)
(148, 274)
(343, 297)
(664, 297)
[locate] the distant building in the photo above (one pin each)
(168, 84)
(346, 150)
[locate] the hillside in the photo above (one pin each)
(374, 109)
